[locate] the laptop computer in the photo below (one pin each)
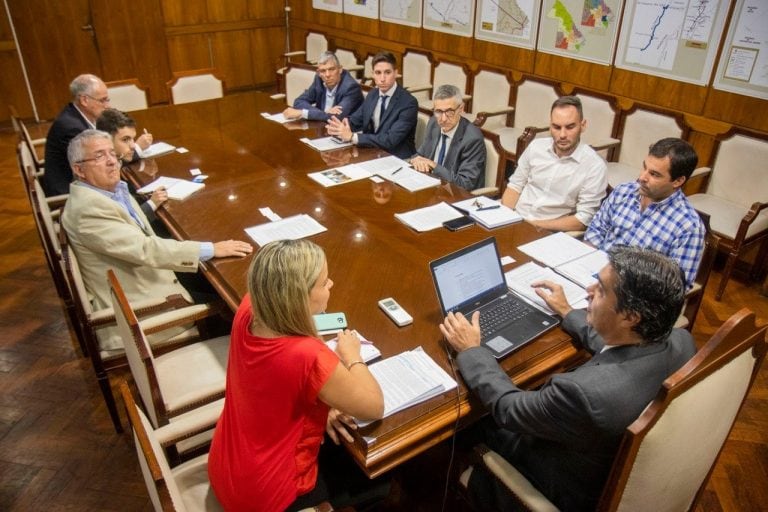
(471, 279)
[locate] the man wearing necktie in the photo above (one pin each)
(564, 435)
(387, 117)
(453, 148)
(107, 230)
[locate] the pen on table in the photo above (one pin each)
(491, 207)
(397, 171)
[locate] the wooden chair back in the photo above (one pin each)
(417, 74)
(491, 92)
(195, 85)
(127, 95)
(298, 78)
(667, 454)
(316, 43)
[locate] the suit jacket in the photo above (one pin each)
(348, 96)
(397, 130)
(58, 173)
(104, 236)
(565, 435)
(464, 164)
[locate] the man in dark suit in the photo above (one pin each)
(387, 117)
(333, 92)
(453, 148)
(564, 436)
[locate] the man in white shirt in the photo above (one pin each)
(559, 181)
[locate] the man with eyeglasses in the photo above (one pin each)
(453, 148)
(108, 230)
(387, 117)
(333, 92)
(559, 181)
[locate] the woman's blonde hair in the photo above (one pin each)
(279, 281)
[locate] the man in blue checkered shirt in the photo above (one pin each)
(653, 212)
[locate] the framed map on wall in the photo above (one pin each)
(675, 39)
(580, 29)
(450, 16)
(328, 5)
(404, 12)
(364, 8)
(743, 67)
(512, 22)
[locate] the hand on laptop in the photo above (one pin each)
(553, 295)
(459, 332)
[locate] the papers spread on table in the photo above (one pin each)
(409, 179)
(290, 228)
(339, 175)
(325, 143)
(556, 249)
(278, 118)
(520, 278)
(384, 166)
(368, 350)
(582, 271)
(430, 217)
(157, 149)
(176, 188)
(409, 378)
(488, 213)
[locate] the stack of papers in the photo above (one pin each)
(157, 149)
(430, 217)
(368, 350)
(291, 228)
(520, 279)
(339, 175)
(568, 256)
(409, 378)
(488, 213)
(325, 143)
(278, 118)
(176, 188)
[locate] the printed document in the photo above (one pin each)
(157, 149)
(325, 143)
(430, 217)
(556, 249)
(176, 188)
(339, 175)
(290, 228)
(488, 213)
(520, 278)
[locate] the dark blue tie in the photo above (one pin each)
(382, 109)
(441, 155)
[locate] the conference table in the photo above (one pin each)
(254, 163)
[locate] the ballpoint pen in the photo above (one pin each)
(396, 171)
(491, 207)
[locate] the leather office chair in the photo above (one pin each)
(178, 381)
(667, 454)
(127, 95)
(195, 85)
(736, 198)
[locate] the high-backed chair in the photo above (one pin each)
(450, 73)
(33, 145)
(298, 77)
(195, 85)
(179, 380)
(316, 43)
(495, 166)
(695, 295)
(736, 199)
(417, 75)
(640, 127)
(601, 113)
(422, 120)
(492, 102)
(668, 453)
(127, 95)
(348, 61)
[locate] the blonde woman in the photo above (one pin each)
(281, 383)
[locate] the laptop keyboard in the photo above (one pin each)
(500, 313)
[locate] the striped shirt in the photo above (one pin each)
(671, 226)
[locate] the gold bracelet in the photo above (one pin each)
(353, 363)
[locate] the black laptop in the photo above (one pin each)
(471, 279)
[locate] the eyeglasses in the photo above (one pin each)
(449, 112)
(99, 157)
(103, 101)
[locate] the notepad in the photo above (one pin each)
(568, 256)
(177, 189)
(290, 228)
(488, 213)
(325, 143)
(430, 217)
(157, 149)
(520, 279)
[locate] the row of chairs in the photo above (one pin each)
(185, 87)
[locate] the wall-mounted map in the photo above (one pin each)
(404, 12)
(512, 22)
(450, 16)
(743, 67)
(581, 29)
(674, 39)
(328, 5)
(365, 8)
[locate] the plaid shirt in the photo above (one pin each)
(671, 227)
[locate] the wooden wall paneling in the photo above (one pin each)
(189, 51)
(360, 25)
(441, 42)
(302, 11)
(13, 90)
(55, 48)
(500, 55)
(266, 10)
(231, 50)
(184, 12)
(230, 10)
(737, 109)
(578, 72)
(267, 47)
(403, 34)
(126, 48)
(659, 91)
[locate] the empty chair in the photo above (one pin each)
(177, 381)
(417, 75)
(127, 95)
(492, 100)
(640, 127)
(195, 85)
(666, 455)
(736, 199)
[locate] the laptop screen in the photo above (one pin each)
(469, 276)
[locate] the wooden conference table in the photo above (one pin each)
(254, 163)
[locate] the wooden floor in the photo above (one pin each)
(58, 450)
